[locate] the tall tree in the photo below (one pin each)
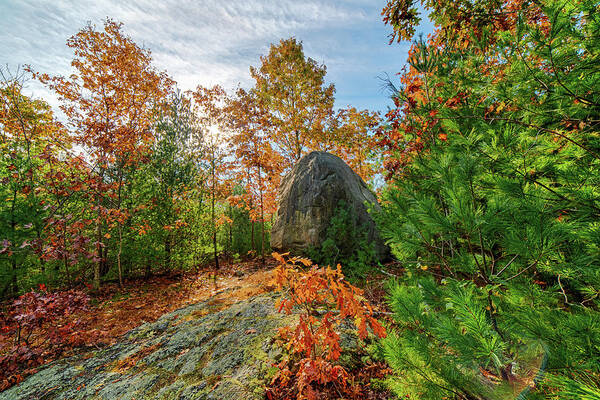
(29, 135)
(259, 165)
(110, 104)
(173, 168)
(295, 95)
(351, 136)
(495, 204)
(209, 106)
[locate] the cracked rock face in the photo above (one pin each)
(308, 198)
(197, 352)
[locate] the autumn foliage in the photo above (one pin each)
(135, 176)
(324, 301)
(40, 329)
(139, 176)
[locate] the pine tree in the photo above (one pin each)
(495, 208)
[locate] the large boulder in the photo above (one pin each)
(308, 197)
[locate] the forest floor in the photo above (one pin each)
(113, 311)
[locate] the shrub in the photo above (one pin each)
(324, 300)
(346, 243)
(37, 327)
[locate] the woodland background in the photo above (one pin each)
(490, 203)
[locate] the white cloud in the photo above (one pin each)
(210, 41)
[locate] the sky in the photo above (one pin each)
(208, 42)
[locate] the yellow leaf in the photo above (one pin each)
(278, 257)
(306, 262)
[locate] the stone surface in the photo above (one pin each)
(206, 351)
(197, 352)
(308, 197)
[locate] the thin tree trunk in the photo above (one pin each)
(148, 272)
(13, 258)
(104, 266)
(39, 240)
(65, 258)
(298, 146)
(216, 254)
(214, 188)
(230, 228)
(120, 227)
(168, 251)
(98, 264)
(252, 235)
(119, 255)
(262, 219)
(15, 285)
(252, 246)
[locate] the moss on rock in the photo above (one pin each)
(195, 354)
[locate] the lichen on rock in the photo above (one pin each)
(186, 354)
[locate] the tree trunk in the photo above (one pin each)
(148, 272)
(13, 257)
(252, 235)
(39, 240)
(252, 246)
(104, 266)
(214, 189)
(98, 263)
(230, 228)
(168, 251)
(120, 227)
(216, 254)
(119, 255)
(15, 285)
(65, 258)
(298, 146)
(262, 219)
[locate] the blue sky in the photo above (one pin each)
(214, 42)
